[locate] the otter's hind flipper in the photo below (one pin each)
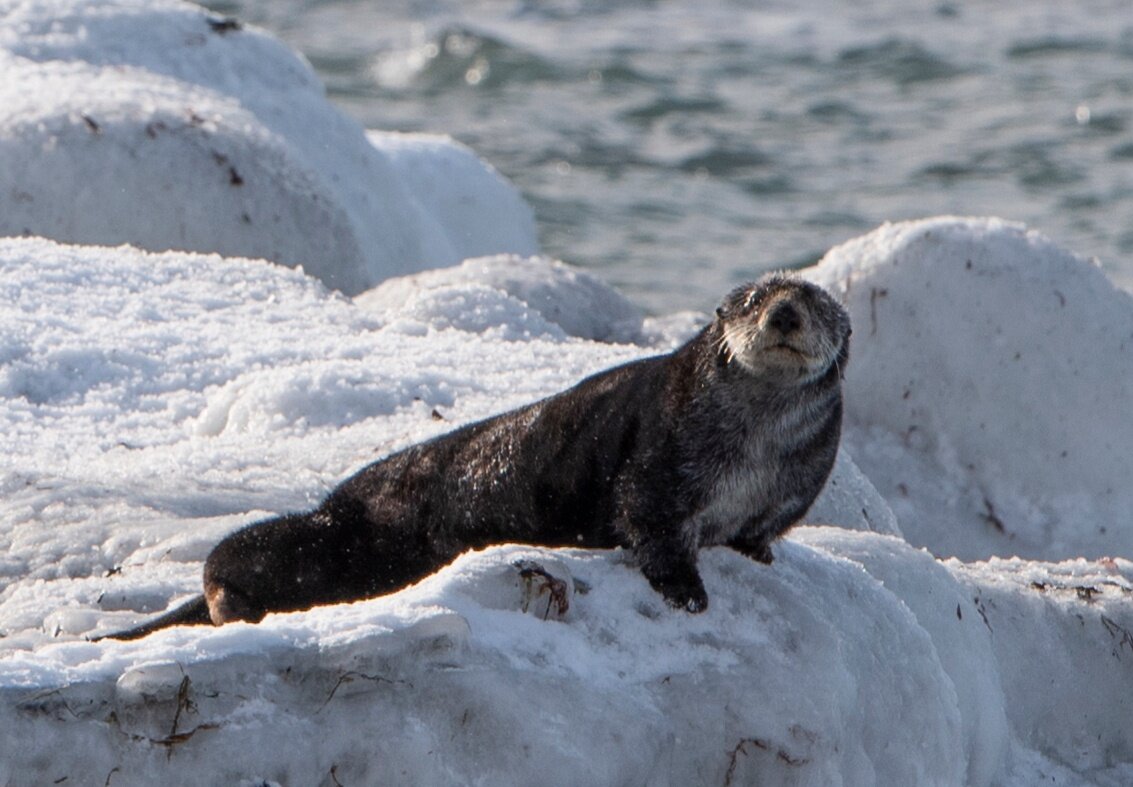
(194, 612)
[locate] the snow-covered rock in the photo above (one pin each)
(989, 387)
(154, 123)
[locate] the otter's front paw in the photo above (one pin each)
(672, 573)
(693, 600)
(685, 591)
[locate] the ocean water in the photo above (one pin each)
(679, 148)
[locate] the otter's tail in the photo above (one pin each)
(194, 612)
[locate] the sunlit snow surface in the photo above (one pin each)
(990, 388)
(151, 403)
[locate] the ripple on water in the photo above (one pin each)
(836, 112)
(900, 60)
(1045, 47)
(668, 105)
(721, 160)
(1033, 165)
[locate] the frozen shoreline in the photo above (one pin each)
(152, 402)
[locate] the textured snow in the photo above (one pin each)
(150, 403)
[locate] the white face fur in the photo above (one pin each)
(783, 327)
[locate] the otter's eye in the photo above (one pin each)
(720, 312)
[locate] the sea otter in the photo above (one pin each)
(726, 440)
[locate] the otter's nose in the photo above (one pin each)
(785, 319)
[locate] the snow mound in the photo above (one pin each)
(963, 646)
(850, 500)
(987, 389)
(154, 123)
(1037, 653)
(577, 302)
(1063, 635)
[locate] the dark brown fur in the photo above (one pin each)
(726, 440)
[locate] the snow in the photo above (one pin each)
(115, 109)
(957, 609)
(577, 303)
(989, 388)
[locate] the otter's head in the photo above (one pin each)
(784, 327)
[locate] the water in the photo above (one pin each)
(682, 147)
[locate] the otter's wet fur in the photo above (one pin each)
(726, 440)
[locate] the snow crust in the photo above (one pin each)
(114, 110)
(152, 402)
